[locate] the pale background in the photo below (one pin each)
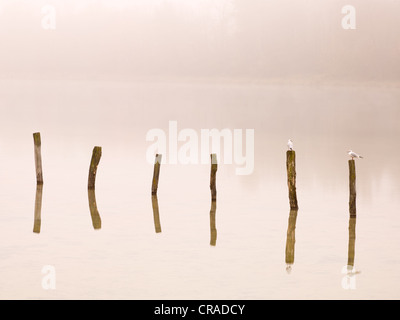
(112, 70)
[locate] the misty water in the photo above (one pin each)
(256, 239)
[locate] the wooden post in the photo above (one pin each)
(290, 240)
(38, 157)
(94, 212)
(96, 155)
(291, 178)
(38, 208)
(214, 167)
(213, 228)
(156, 174)
(352, 187)
(156, 213)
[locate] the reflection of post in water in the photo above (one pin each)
(213, 228)
(352, 243)
(290, 240)
(94, 213)
(154, 188)
(349, 281)
(96, 155)
(156, 213)
(213, 188)
(291, 178)
(38, 208)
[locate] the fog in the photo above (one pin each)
(106, 73)
(257, 40)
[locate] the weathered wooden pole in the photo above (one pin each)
(156, 213)
(291, 178)
(214, 167)
(38, 157)
(38, 208)
(96, 155)
(156, 174)
(290, 240)
(213, 228)
(94, 212)
(352, 188)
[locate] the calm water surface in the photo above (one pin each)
(261, 251)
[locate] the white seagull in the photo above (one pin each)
(353, 155)
(290, 144)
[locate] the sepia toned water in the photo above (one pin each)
(253, 247)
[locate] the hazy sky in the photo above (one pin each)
(256, 39)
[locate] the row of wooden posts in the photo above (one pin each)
(95, 160)
(96, 220)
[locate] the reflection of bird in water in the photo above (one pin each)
(290, 144)
(353, 155)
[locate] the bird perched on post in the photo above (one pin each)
(290, 145)
(353, 155)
